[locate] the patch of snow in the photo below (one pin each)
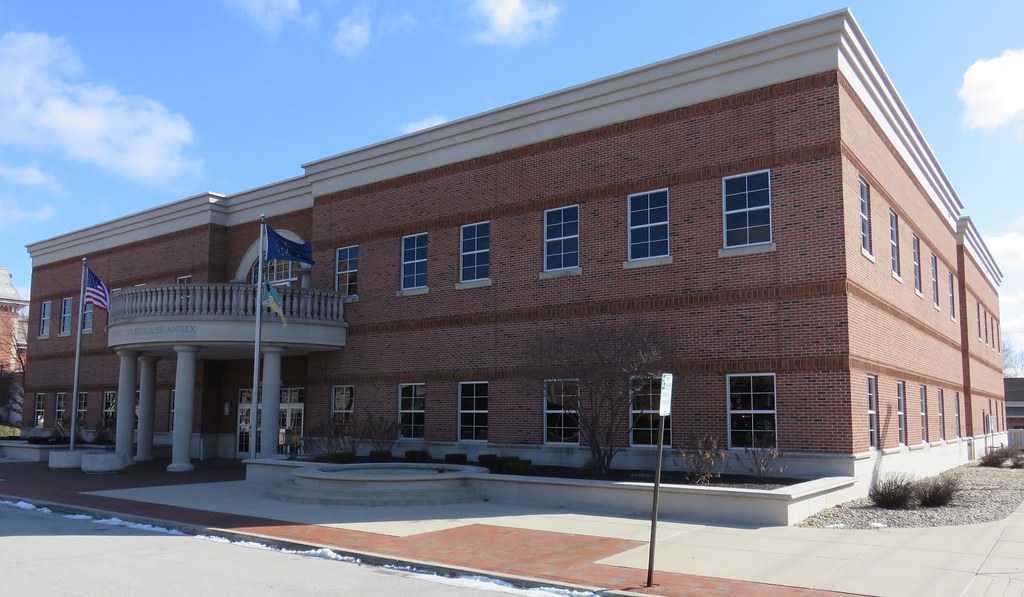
(838, 525)
(879, 525)
(117, 522)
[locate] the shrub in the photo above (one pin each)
(417, 456)
(487, 460)
(501, 462)
(339, 458)
(893, 492)
(380, 455)
(937, 491)
(456, 458)
(379, 431)
(763, 462)
(997, 457)
(1017, 461)
(703, 460)
(517, 467)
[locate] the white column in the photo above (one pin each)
(184, 395)
(147, 405)
(271, 401)
(125, 404)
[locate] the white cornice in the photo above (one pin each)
(968, 236)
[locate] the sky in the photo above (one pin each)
(110, 107)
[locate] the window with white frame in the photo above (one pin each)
(873, 411)
(924, 414)
(40, 409)
(44, 320)
(935, 281)
(346, 270)
(894, 242)
(343, 404)
(942, 414)
(644, 414)
(977, 306)
(170, 414)
(412, 405)
(65, 315)
(414, 261)
(82, 407)
(475, 258)
(986, 326)
(956, 412)
(561, 404)
(279, 272)
(865, 217)
(747, 206)
(473, 411)
(562, 238)
(648, 225)
(952, 297)
(752, 418)
(109, 406)
(87, 317)
(186, 279)
(916, 244)
(60, 408)
(901, 410)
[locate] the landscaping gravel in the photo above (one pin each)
(986, 494)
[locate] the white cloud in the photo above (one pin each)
(43, 106)
(1013, 326)
(398, 23)
(993, 92)
(30, 176)
(514, 22)
(423, 123)
(1011, 298)
(273, 14)
(11, 212)
(1008, 249)
(353, 33)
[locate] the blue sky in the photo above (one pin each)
(109, 107)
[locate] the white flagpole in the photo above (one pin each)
(78, 358)
(255, 401)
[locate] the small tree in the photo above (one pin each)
(13, 360)
(1013, 360)
(609, 364)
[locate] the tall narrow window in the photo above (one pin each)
(476, 252)
(473, 411)
(82, 407)
(956, 412)
(65, 316)
(414, 261)
(865, 217)
(61, 408)
(346, 269)
(747, 204)
(343, 404)
(977, 306)
(873, 411)
(894, 242)
(87, 317)
(44, 320)
(935, 281)
(648, 225)
(901, 410)
(751, 411)
(952, 297)
(942, 414)
(109, 406)
(562, 238)
(170, 415)
(40, 409)
(986, 328)
(924, 414)
(412, 407)
(644, 413)
(916, 243)
(561, 405)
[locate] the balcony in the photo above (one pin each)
(220, 319)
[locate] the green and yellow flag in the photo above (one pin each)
(272, 299)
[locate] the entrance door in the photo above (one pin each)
(244, 435)
(289, 422)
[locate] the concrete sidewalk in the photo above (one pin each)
(594, 551)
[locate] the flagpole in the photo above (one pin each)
(255, 401)
(78, 358)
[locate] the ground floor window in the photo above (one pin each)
(924, 414)
(561, 421)
(170, 403)
(873, 411)
(956, 411)
(473, 411)
(752, 421)
(61, 409)
(901, 410)
(110, 407)
(82, 407)
(644, 414)
(40, 409)
(942, 415)
(343, 403)
(412, 402)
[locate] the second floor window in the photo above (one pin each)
(894, 241)
(346, 267)
(648, 225)
(414, 261)
(562, 238)
(747, 205)
(476, 252)
(865, 217)
(917, 263)
(65, 316)
(87, 317)
(44, 320)
(935, 281)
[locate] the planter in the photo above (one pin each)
(88, 435)
(66, 459)
(97, 462)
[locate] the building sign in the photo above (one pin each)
(665, 404)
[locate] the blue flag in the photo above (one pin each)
(278, 247)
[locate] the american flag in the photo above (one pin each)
(96, 292)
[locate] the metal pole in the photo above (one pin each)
(78, 359)
(654, 506)
(254, 400)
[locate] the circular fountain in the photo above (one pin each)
(380, 484)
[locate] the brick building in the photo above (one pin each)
(768, 204)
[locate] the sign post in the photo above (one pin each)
(664, 410)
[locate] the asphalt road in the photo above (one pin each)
(50, 554)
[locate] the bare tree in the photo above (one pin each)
(1013, 360)
(609, 365)
(13, 360)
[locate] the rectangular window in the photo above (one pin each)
(986, 328)
(65, 316)
(412, 404)
(956, 412)
(343, 403)
(644, 414)
(184, 279)
(476, 252)
(40, 409)
(414, 261)
(109, 406)
(751, 411)
(44, 320)
(924, 414)
(747, 202)
(562, 238)
(473, 411)
(87, 317)
(648, 225)
(977, 306)
(916, 244)
(170, 419)
(901, 410)
(865, 217)
(894, 242)
(873, 411)
(61, 409)
(952, 297)
(935, 281)
(561, 405)
(82, 407)
(346, 268)
(942, 414)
